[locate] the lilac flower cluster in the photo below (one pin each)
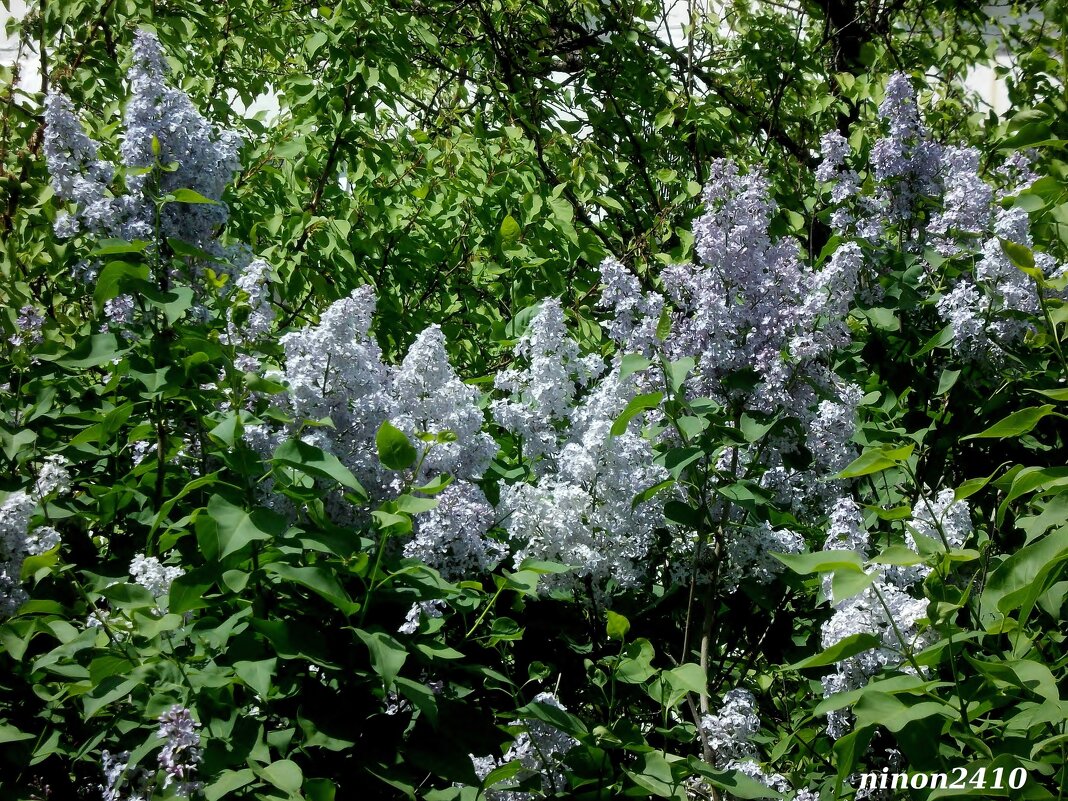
(540, 749)
(932, 196)
(160, 127)
(29, 323)
(18, 539)
(885, 608)
(750, 306)
(154, 576)
(181, 753)
(580, 510)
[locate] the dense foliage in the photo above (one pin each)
(535, 405)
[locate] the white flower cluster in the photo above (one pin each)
(992, 312)
(541, 395)
(935, 196)
(886, 608)
(453, 538)
(760, 327)
(29, 323)
(250, 316)
(729, 733)
(427, 609)
(18, 540)
(154, 576)
(160, 126)
(335, 378)
(580, 510)
(181, 753)
(540, 750)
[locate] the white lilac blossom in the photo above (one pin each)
(427, 609)
(18, 539)
(834, 150)
(886, 608)
(636, 314)
(730, 731)
(428, 398)
(988, 316)
(750, 554)
(906, 162)
(29, 323)
(749, 767)
(820, 327)
(542, 394)
(77, 174)
(181, 753)
(15, 512)
(540, 749)
(751, 309)
(453, 537)
(250, 317)
(334, 371)
(153, 576)
(121, 782)
(966, 202)
(162, 119)
(1015, 174)
(831, 430)
(160, 126)
(53, 477)
(119, 311)
(581, 511)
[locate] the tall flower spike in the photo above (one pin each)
(543, 393)
(181, 752)
(429, 398)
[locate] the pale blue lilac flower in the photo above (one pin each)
(453, 538)
(541, 393)
(29, 323)
(540, 749)
(154, 576)
(966, 202)
(427, 397)
(181, 753)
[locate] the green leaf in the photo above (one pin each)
(843, 649)
(735, 783)
(111, 247)
(316, 462)
(653, 773)
(257, 675)
(1015, 424)
(509, 231)
(284, 774)
(637, 405)
(394, 449)
(875, 708)
(229, 781)
(618, 626)
(637, 663)
(191, 196)
(236, 528)
(9, 734)
(1053, 394)
(822, 561)
(318, 579)
(555, 716)
(387, 655)
(632, 363)
(93, 351)
(876, 460)
(113, 275)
